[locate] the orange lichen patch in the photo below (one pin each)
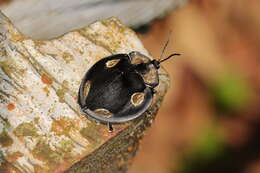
(57, 128)
(46, 79)
(64, 125)
(5, 139)
(10, 106)
(14, 156)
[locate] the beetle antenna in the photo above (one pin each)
(165, 46)
(175, 54)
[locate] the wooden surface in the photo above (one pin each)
(51, 18)
(41, 128)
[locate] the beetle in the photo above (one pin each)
(119, 88)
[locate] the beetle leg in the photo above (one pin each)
(149, 112)
(110, 127)
(154, 91)
(83, 109)
(152, 88)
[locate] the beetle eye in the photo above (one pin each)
(156, 64)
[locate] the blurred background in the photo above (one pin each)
(209, 121)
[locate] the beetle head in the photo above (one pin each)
(157, 63)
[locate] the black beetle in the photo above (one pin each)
(119, 88)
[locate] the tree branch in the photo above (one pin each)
(41, 128)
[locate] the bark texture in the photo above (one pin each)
(41, 127)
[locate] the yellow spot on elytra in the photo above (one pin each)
(86, 88)
(137, 98)
(104, 112)
(112, 63)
